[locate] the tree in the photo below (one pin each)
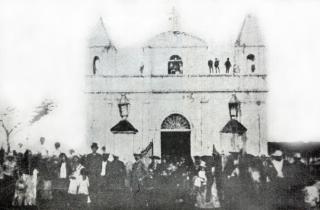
(11, 124)
(5, 124)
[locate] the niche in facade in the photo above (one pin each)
(175, 65)
(96, 60)
(251, 59)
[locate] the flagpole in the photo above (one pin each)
(152, 147)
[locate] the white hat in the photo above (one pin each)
(277, 153)
(297, 155)
(116, 153)
(202, 164)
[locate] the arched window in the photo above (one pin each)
(175, 65)
(96, 59)
(175, 121)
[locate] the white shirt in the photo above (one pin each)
(56, 152)
(74, 183)
(63, 170)
(103, 170)
(278, 165)
(83, 186)
(21, 149)
(43, 150)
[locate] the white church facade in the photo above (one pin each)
(168, 96)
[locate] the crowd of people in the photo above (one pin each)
(237, 181)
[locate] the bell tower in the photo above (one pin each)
(249, 48)
(174, 20)
(102, 52)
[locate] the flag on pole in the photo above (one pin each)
(148, 151)
(146, 154)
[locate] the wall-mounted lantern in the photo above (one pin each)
(234, 107)
(123, 106)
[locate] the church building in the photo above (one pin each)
(169, 92)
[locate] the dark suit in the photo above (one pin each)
(277, 187)
(93, 165)
(117, 174)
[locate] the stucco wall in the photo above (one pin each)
(184, 83)
(207, 113)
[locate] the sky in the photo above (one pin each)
(43, 55)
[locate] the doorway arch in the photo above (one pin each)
(175, 137)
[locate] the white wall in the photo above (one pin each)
(207, 113)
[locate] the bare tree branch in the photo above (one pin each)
(42, 110)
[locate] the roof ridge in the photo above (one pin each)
(249, 34)
(100, 35)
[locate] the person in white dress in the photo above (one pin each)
(83, 189)
(200, 187)
(75, 175)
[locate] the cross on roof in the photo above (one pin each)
(174, 20)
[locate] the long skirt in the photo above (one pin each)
(203, 203)
(28, 196)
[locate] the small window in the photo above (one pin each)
(175, 65)
(250, 57)
(96, 59)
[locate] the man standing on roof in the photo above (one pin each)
(227, 64)
(216, 65)
(210, 64)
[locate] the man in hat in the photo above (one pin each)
(139, 172)
(117, 173)
(277, 180)
(94, 165)
(299, 171)
(275, 166)
(57, 151)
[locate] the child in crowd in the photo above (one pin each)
(83, 188)
(74, 180)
